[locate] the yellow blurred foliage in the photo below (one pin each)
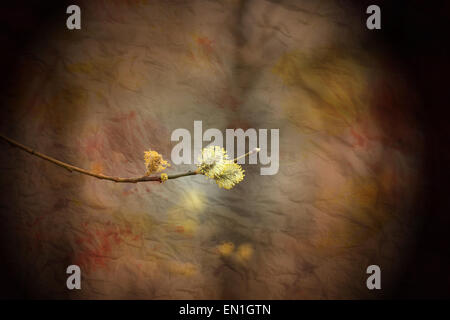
(226, 248)
(328, 90)
(184, 269)
(244, 252)
(194, 201)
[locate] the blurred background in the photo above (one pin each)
(363, 154)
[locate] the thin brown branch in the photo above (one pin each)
(72, 168)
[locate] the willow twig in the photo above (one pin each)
(72, 168)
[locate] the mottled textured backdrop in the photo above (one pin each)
(350, 153)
